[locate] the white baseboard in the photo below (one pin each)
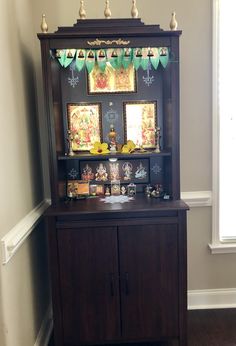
(12, 241)
(212, 299)
(45, 329)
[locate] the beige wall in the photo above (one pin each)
(205, 270)
(24, 292)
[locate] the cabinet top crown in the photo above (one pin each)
(111, 27)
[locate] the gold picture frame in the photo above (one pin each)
(112, 80)
(84, 124)
(140, 119)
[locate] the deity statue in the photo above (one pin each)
(101, 174)
(127, 168)
(112, 139)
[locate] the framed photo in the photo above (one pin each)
(125, 171)
(77, 188)
(112, 81)
(85, 125)
(140, 119)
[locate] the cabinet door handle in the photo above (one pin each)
(112, 284)
(127, 283)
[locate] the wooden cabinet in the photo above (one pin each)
(149, 271)
(116, 279)
(117, 282)
(88, 262)
(118, 270)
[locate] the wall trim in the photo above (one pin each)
(197, 198)
(45, 329)
(12, 241)
(212, 299)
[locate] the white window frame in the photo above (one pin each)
(217, 246)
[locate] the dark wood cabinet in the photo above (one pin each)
(118, 270)
(88, 262)
(117, 282)
(149, 271)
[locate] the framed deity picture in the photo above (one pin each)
(84, 124)
(140, 119)
(125, 171)
(112, 80)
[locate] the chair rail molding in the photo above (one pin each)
(197, 198)
(12, 241)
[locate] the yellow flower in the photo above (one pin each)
(131, 146)
(128, 148)
(125, 149)
(100, 149)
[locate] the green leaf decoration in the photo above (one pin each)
(164, 56)
(111, 58)
(145, 58)
(80, 59)
(69, 56)
(119, 62)
(155, 59)
(101, 59)
(90, 60)
(61, 57)
(136, 58)
(127, 58)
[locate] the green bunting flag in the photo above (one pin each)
(164, 56)
(155, 59)
(120, 53)
(145, 59)
(69, 56)
(127, 57)
(90, 61)
(80, 59)
(116, 57)
(137, 58)
(61, 55)
(101, 59)
(112, 57)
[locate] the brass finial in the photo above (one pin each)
(44, 26)
(134, 9)
(173, 22)
(107, 12)
(82, 12)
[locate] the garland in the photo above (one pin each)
(116, 57)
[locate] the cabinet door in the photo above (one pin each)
(89, 285)
(149, 281)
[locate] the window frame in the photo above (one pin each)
(217, 245)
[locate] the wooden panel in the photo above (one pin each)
(149, 281)
(89, 284)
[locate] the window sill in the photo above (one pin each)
(222, 248)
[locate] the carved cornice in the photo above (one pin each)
(118, 42)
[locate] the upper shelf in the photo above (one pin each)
(135, 155)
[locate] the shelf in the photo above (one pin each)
(135, 155)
